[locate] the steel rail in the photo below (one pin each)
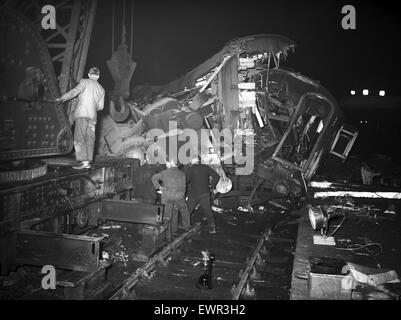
(244, 278)
(134, 278)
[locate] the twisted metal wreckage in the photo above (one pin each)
(291, 121)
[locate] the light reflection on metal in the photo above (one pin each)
(359, 194)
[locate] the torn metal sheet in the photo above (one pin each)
(269, 43)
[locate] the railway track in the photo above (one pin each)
(253, 260)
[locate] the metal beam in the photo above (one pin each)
(60, 30)
(69, 63)
(81, 59)
(63, 251)
(64, 77)
(58, 57)
(131, 211)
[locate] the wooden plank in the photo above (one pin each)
(232, 240)
(222, 254)
(223, 273)
(270, 291)
(275, 259)
(265, 269)
(149, 293)
(227, 245)
(232, 264)
(75, 278)
(286, 240)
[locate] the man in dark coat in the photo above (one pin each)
(173, 193)
(201, 180)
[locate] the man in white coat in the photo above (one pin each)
(90, 100)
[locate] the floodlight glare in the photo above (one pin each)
(365, 92)
(382, 93)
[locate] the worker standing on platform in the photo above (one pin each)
(199, 189)
(173, 193)
(90, 100)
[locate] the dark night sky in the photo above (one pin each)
(172, 37)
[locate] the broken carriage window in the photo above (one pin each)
(303, 135)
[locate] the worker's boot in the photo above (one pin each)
(83, 165)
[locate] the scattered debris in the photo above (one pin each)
(121, 256)
(323, 240)
(371, 276)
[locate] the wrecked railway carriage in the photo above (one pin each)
(287, 121)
